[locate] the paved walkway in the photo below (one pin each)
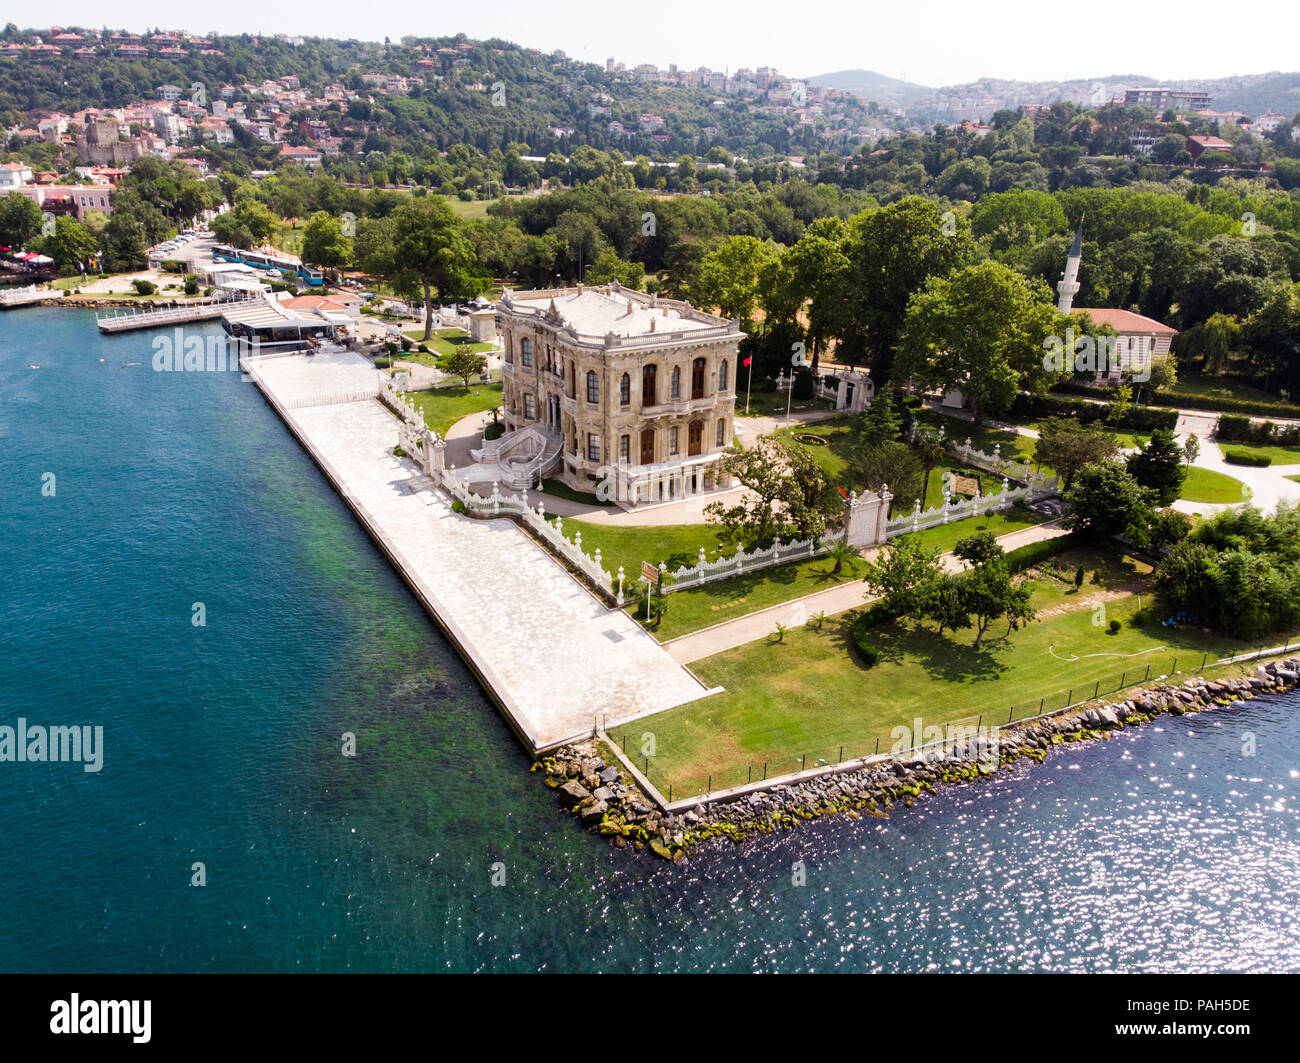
(851, 595)
(1268, 486)
(555, 657)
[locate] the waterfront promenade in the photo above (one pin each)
(555, 658)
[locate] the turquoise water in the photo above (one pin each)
(1165, 848)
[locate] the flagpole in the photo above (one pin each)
(748, 381)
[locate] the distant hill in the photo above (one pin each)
(1252, 93)
(872, 85)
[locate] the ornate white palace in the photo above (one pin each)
(608, 385)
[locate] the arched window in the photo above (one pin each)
(697, 378)
(593, 387)
(722, 432)
(676, 383)
(722, 376)
(625, 391)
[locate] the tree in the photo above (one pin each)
(464, 363)
(889, 465)
(983, 329)
(903, 576)
(1191, 448)
(1106, 500)
(1159, 466)
(729, 277)
(989, 594)
(788, 492)
(891, 254)
(324, 243)
(978, 549)
(842, 554)
(69, 244)
(880, 422)
(125, 243)
(1066, 445)
(20, 221)
(431, 253)
(947, 605)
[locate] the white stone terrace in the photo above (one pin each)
(555, 656)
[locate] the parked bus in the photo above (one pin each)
(270, 263)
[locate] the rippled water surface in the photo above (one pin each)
(1164, 848)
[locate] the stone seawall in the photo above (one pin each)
(601, 796)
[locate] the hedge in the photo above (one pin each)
(1036, 553)
(1238, 429)
(1192, 402)
(1137, 418)
(867, 653)
(1243, 457)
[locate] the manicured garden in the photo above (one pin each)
(444, 341)
(1207, 485)
(802, 700)
(715, 603)
(443, 407)
(1275, 455)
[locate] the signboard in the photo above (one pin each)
(649, 572)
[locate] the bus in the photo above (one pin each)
(270, 263)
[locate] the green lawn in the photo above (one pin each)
(1206, 485)
(714, 603)
(674, 544)
(445, 341)
(443, 407)
(835, 455)
(808, 696)
(473, 209)
(1279, 455)
(560, 489)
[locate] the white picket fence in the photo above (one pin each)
(705, 571)
(499, 505)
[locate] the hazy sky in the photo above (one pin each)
(934, 42)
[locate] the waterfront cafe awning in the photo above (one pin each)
(268, 320)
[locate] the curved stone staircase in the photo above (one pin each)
(525, 456)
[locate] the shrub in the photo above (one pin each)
(1036, 553)
(493, 431)
(867, 653)
(1137, 418)
(1244, 457)
(191, 284)
(143, 287)
(1114, 626)
(173, 265)
(458, 506)
(1140, 618)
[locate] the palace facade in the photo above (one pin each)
(637, 392)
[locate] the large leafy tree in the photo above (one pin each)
(430, 252)
(1105, 501)
(1066, 445)
(981, 329)
(729, 279)
(788, 493)
(69, 244)
(324, 243)
(892, 253)
(904, 576)
(20, 221)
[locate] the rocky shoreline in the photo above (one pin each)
(601, 797)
